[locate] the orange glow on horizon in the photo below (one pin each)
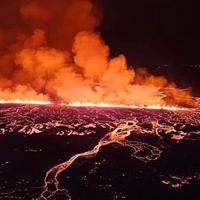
(100, 105)
(18, 101)
(156, 107)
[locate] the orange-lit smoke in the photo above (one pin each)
(49, 51)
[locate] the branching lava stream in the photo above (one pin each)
(51, 183)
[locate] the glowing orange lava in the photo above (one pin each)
(90, 104)
(18, 101)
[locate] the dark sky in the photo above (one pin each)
(153, 32)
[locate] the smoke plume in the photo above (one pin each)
(49, 50)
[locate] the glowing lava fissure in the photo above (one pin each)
(100, 105)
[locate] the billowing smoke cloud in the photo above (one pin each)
(61, 19)
(49, 51)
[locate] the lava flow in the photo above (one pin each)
(148, 135)
(51, 183)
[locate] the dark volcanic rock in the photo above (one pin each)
(158, 160)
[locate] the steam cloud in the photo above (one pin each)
(49, 50)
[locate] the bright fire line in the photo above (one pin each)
(18, 101)
(158, 107)
(89, 104)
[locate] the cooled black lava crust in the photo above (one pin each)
(34, 138)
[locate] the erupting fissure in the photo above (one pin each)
(100, 105)
(44, 60)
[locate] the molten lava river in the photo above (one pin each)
(58, 152)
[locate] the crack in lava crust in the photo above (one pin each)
(146, 133)
(51, 183)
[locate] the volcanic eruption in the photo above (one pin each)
(78, 123)
(51, 52)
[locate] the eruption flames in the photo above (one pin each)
(50, 52)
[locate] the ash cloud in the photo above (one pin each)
(49, 50)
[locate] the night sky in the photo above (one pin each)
(153, 31)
